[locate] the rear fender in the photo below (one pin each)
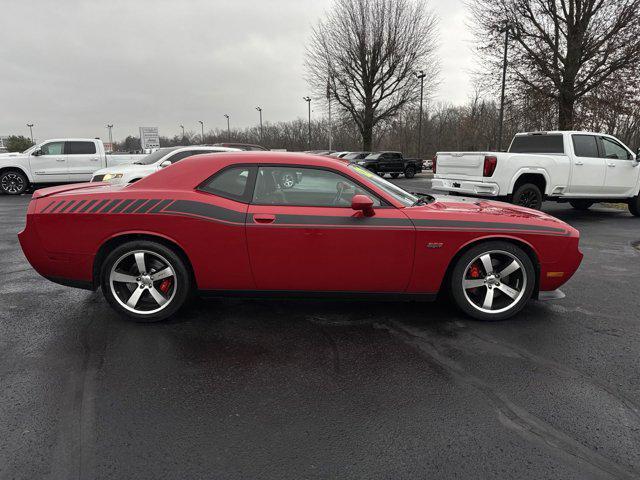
(533, 171)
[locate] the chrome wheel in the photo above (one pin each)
(143, 282)
(494, 281)
(12, 183)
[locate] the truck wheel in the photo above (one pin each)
(145, 281)
(581, 204)
(13, 182)
(493, 281)
(409, 172)
(528, 195)
(634, 206)
(395, 175)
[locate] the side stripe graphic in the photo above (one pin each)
(132, 208)
(99, 206)
(207, 210)
(122, 205)
(77, 205)
(57, 206)
(160, 206)
(147, 206)
(112, 204)
(71, 202)
(87, 206)
(47, 207)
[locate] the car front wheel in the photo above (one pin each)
(409, 172)
(13, 182)
(493, 281)
(145, 281)
(634, 206)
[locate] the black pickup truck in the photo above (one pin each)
(391, 162)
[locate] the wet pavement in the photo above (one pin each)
(240, 388)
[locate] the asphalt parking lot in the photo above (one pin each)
(322, 389)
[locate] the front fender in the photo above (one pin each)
(13, 165)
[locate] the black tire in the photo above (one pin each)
(395, 175)
(525, 277)
(13, 182)
(634, 206)
(179, 291)
(409, 172)
(381, 174)
(581, 204)
(528, 195)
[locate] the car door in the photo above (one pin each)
(82, 160)
(395, 162)
(621, 177)
(306, 237)
(49, 164)
(587, 168)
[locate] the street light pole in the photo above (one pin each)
(226, 115)
(420, 74)
(259, 109)
(308, 100)
(182, 127)
(110, 128)
(30, 125)
(202, 129)
(504, 81)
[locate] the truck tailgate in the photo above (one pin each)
(461, 165)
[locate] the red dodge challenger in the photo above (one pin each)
(237, 224)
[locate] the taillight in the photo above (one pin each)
(433, 164)
(489, 166)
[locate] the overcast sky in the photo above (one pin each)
(71, 66)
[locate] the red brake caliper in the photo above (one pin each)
(165, 285)
(474, 272)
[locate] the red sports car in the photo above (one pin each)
(226, 224)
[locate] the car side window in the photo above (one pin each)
(176, 157)
(613, 149)
(80, 148)
(310, 187)
(585, 146)
(52, 148)
(233, 183)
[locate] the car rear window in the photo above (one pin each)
(537, 144)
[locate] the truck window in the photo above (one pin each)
(537, 144)
(613, 149)
(53, 148)
(79, 148)
(585, 146)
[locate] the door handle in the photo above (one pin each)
(579, 163)
(59, 159)
(611, 164)
(94, 159)
(263, 218)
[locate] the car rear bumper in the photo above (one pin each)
(467, 187)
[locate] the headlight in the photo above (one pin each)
(111, 176)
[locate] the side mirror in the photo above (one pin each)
(166, 163)
(364, 204)
(37, 153)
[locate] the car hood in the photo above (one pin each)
(127, 168)
(11, 155)
(489, 215)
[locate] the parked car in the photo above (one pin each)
(391, 162)
(242, 146)
(226, 227)
(153, 162)
(56, 161)
(353, 156)
(581, 168)
(339, 154)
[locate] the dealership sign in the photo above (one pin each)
(149, 138)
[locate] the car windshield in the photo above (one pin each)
(404, 197)
(373, 156)
(354, 156)
(155, 156)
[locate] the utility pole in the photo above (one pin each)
(110, 128)
(182, 127)
(504, 29)
(30, 125)
(202, 129)
(259, 109)
(420, 74)
(308, 100)
(226, 115)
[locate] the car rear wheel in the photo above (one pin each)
(528, 195)
(13, 182)
(634, 205)
(395, 175)
(145, 281)
(409, 172)
(493, 281)
(581, 204)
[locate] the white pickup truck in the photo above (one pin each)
(60, 160)
(581, 168)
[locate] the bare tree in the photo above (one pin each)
(562, 49)
(364, 55)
